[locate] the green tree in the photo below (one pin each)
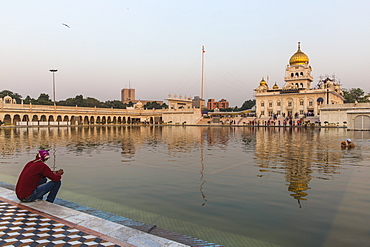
(354, 94)
(43, 99)
(115, 104)
(28, 100)
(92, 102)
(247, 104)
(152, 105)
(79, 99)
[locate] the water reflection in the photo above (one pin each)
(216, 177)
(298, 153)
(202, 175)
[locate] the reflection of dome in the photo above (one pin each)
(275, 86)
(299, 57)
(263, 82)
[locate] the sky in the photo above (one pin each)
(155, 46)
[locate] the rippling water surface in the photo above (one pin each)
(235, 186)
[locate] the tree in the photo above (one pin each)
(92, 102)
(115, 104)
(247, 104)
(43, 99)
(79, 100)
(152, 105)
(354, 94)
(28, 100)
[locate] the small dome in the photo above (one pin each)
(275, 86)
(263, 82)
(299, 57)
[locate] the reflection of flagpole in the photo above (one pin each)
(54, 158)
(202, 171)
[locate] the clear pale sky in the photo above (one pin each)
(155, 46)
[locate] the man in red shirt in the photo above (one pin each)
(32, 183)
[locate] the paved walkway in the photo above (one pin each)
(45, 224)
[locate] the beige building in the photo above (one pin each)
(297, 97)
(356, 116)
(128, 95)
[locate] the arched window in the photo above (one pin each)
(270, 103)
(296, 74)
(262, 103)
(301, 73)
(292, 74)
(278, 103)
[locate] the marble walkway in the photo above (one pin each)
(45, 224)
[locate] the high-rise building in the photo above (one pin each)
(127, 95)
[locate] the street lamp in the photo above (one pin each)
(53, 71)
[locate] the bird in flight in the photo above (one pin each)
(65, 25)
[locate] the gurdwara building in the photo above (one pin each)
(297, 98)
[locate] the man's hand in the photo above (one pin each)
(60, 171)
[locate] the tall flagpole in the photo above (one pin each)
(202, 92)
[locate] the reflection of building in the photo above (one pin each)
(297, 97)
(222, 104)
(289, 150)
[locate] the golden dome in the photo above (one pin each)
(299, 57)
(263, 82)
(275, 86)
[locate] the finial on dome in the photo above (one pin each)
(299, 57)
(263, 82)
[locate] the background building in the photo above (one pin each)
(198, 102)
(222, 104)
(128, 95)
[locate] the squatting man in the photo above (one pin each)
(32, 184)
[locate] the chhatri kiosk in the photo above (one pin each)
(297, 98)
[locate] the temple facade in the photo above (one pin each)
(297, 97)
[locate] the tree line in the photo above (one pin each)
(351, 95)
(79, 100)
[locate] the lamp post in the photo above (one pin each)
(53, 71)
